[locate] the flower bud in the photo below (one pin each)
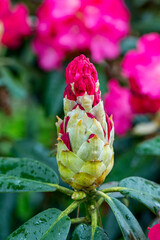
(85, 135)
(79, 66)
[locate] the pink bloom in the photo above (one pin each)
(154, 232)
(14, 23)
(65, 26)
(117, 102)
(142, 68)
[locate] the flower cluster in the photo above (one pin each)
(69, 25)
(85, 135)
(142, 68)
(13, 24)
(117, 101)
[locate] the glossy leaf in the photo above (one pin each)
(150, 147)
(24, 175)
(84, 231)
(127, 222)
(144, 191)
(45, 225)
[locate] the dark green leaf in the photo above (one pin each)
(25, 175)
(7, 204)
(128, 43)
(100, 234)
(150, 147)
(46, 225)
(127, 222)
(84, 232)
(54, 92)
(6, 79)
(145, 191)
(132, 164)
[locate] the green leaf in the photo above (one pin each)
(54, 92)
(127, 222)
(132, 164)
(144, 191)
(7, 206)
(150, 147)
(14, 87)
(84, 231)
(22, 175)
(46, 225)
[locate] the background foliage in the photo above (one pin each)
(30, 99)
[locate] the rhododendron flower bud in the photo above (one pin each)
(85, 135)
(78, 67)
(154, 232)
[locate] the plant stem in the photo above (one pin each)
(62, 189)
(99, 216)
(100, 193)
(93, 219)
(100, 201)
(79, 220)
(70, 209)
(113, 189)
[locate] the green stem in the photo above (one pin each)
(100, 201)
(93, 219)
(66, 212)
(103, 195)
(79, 220)
(62, 189)
(113, 189)
(70, 209)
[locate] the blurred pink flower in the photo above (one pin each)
(13, 23)
(142, 67)
(154, 232)
(117, 102)
(64, 26)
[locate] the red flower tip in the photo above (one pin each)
(90, 115)
(109, 124)
(66, 141)
(78, 67)
(78, 105)
(90, 136)
(69, 93)
(97, 97)
(84, 84)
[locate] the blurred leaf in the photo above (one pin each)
(24, 210)
(149, 147)
(128, 43)
(22, 175)
(54, 92)
(84, 231)
(14, 126)
(35, 150)
(8, 80)
(7, 201)
(109, 222)
(132, 164)
(127, 222)
(102, 78)
(45, 225)
(142, 190)
(148, 22)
